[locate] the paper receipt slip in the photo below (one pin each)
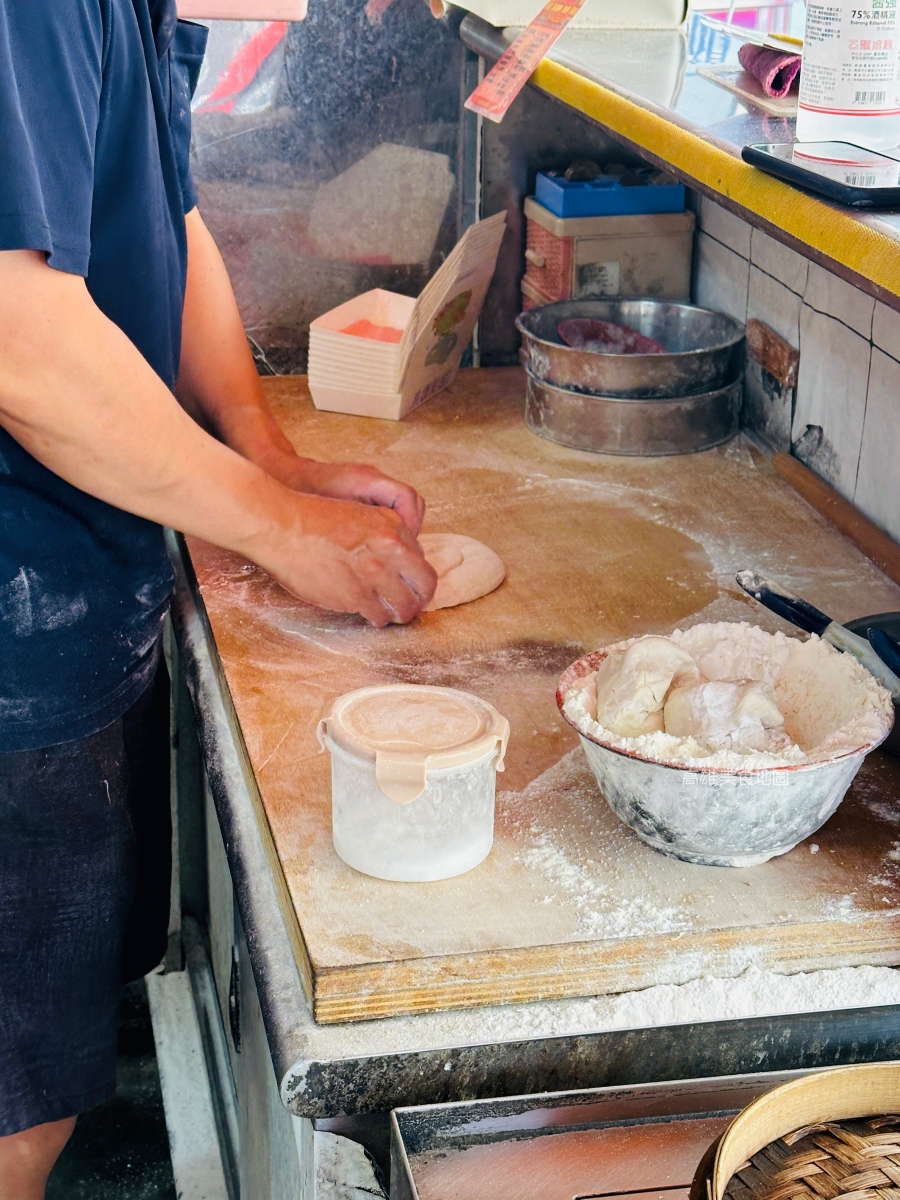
(508, 76)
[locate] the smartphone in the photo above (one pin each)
(838, 170)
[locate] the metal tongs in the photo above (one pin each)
(880, 655)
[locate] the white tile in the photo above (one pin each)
(725, 227)
(878, 482)
(784, 264)
(721, 278)
(886, 329)
(826, 293)
(767, 408)
(831, 399)
(775, 305)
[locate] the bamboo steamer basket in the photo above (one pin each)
(828, 1136)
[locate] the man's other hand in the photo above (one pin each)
(351, 481)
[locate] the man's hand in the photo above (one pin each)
(350, 481)
(350, 558)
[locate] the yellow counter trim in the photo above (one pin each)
(834, 233)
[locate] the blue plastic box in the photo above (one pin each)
(605, 197)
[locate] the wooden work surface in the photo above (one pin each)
(569, 903)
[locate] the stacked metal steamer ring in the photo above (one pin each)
(682, 396)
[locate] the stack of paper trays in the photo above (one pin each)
(382, 354)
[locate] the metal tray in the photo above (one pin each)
(614, 425)
(629, 1143)
(705, 349)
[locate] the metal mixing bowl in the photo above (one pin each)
(617, 425)
(717, 817)
(702, 348)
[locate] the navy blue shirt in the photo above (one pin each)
(94, 143)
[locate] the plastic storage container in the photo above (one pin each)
(850, 82)
(413, 777)
(605, 196)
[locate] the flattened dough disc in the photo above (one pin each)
(466, 569)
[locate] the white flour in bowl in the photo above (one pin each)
(830, 703)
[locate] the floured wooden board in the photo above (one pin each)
(569, 903)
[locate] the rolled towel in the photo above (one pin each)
(775, 70)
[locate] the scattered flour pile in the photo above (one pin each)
(754, 993)
(729, 695)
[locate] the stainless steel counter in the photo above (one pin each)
(643, 87)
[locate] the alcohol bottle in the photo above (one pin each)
(849, 81)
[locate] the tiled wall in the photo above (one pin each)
(843, 420)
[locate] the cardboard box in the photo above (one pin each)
(570, 257)
(371, 378)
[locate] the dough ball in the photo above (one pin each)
(632, 685)
(443, 552)
(739, 714)
(466, 569)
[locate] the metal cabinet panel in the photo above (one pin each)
(222, 916)
(270, 1166)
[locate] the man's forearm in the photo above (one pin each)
(77, 394)
(80, 398)
(218, 382)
